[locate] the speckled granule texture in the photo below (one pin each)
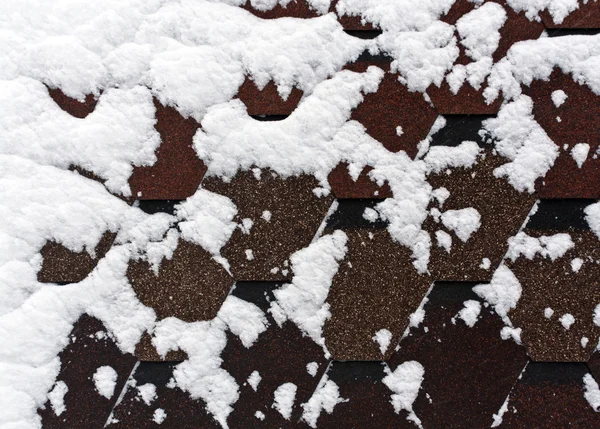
(77, 108)
(296, 213)
(293, 9)
(556, 285)
(376, 287)
(146, 352)
(267, 101)
(393, 106)
(460, 361)
(177, 171)
(61, 265)
(549, 396)
(367, 402)
(190, 286)
(572, 122)
(344, 186)
(467, 101)
(502, 209)
(182, 412)
(89, 348)
(283, 344)
(587, 15)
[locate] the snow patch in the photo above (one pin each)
(284, 399)
(159, 416)
(147, 392)
(503, 292)
(591, 391)
(405, 382)
(325, 397)
(580, 153)
(57, 397)
(470, 312)
(254, 379)
(463, 222)
(553, 246)
(383, 337)
(105, 380)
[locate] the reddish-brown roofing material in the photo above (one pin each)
(366, 399)
(502, 209)
(74, 107)
(61, 265)
(178, 171)
(267, 101)
(586, 16)
(90, 347)
(574, 121)
(343, 186)
(294, 9)
(467, 101)
(182, 411)
(468, 371)
(190, 285)
(295, 213)
(146, 352)
(376, 287)
(550, 396)
(393, 106)
(555, 285)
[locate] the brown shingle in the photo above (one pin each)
(293, 216)
(90, 347)
(586, 16)
(190, 286)
(76, 108)
(177, 171)
(468, 370)
(61, 265)
(267, 101)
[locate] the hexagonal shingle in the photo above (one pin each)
(366, 400)
(276, 217)
(281, 355)
(549, 396)
(173, 407)
(502, 208)
(178, 171)
(469, 370)
(61, 265)
(569, 118)
(90, 348)
(267, 101)
(190, 286)
(558, 298)
(376, 288)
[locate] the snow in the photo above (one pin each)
(57, 397)
(439, 158)
(383, 338)
(147, 392)
(405, 382)
(105, 380)
(159, 416)
(266, 216)
(498, 417)
(254, 380)
(548, 312)
(259, 415)
(584, 342)
(325, 397)
(559, 97)
(370, 214)
(576, 264)
(512, 333)
(470, 312)
(463, 222)
(303, 300)
(580, 153)
(312, 368)
(559, 9)
(485, 264)
(553, 246)
(567, 320)
(592, 217)
(591, 391)
(444, 240)
(284, 399)
(503, 292)
(522, 140)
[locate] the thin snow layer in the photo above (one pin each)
(592, 217)
(522, 140)
(383, 337)
(57, 397)
(284, 399)
(591, 391)
(303, 300)
(580, 153)
(325, 397)
(463, 222)
(552, 246)
(470, 312)
(503, 292)
(105, 380)
(405, 382)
